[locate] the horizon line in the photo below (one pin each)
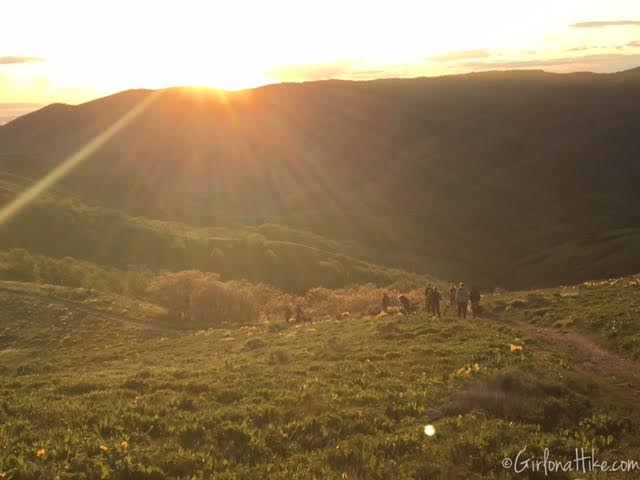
(300, 82)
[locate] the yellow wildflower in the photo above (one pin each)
(125, 444)
(515, 348)
(41, 453)
(104, 448)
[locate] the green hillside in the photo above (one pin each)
(99, 387)
(514, 179)
(201, 298)
(292, 259)
(608, 310)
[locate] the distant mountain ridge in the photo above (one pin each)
(12, 110)
(514, 178)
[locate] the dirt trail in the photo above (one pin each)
(588, 356)
(79, 307)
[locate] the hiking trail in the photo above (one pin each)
(587, 355)
(79, 307)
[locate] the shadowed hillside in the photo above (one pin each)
(512, 179)
(290, 259)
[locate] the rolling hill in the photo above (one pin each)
(503, 178)
(123, 356)
(118, 246)
(95, 386)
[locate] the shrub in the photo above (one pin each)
(270, 301)
(21, 265)
(355, 300)
(18, 264)
(515, 395)
(201, 299)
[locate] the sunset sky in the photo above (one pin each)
(75, 50)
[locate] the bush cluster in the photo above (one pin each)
(21, 265)
(198, 298)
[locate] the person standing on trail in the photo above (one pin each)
(435, 302)
(405, 304)
(452, 296)
(474, 297)
(428, 291)
(386, 302)
(462, 297)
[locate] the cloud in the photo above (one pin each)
(595, 62)
(345, 69)
(582, 48)
(306, 72)
(585, 48)
(522, 63)
(460, 55)
(606, 23)
(13, 60)
(373, 73)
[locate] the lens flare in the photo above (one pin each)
(64, 168)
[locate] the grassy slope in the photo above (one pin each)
(291, 259)
(608, 310)
(331, 399)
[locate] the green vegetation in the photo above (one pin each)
(194, 298)
(609, 310)
(19, 264)
(149, 304)
(499, 178)
(198, 299)
(87, 396)
(122, 245)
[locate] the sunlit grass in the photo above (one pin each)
(329, 398)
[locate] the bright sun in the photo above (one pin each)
(220, 76)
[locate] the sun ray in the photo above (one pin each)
(64, 168)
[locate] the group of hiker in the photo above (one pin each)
(459, 300)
